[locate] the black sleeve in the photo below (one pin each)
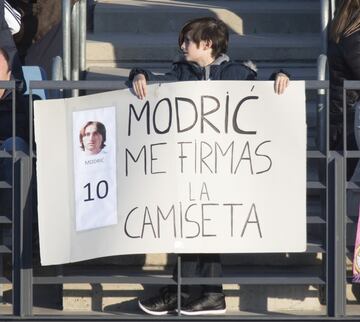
(282, 71)
(235, 71)
(351, 54)
(172, 75)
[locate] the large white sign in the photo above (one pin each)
(197, 167)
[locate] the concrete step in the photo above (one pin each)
(240, 300)
(120, 300)
(242, 17)
(109, 49)
(246, 300)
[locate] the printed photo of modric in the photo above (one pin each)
(92, 138)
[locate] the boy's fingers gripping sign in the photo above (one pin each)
(281, 83)
(139, 86)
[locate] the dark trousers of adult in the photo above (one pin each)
(202, 265)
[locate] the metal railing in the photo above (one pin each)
(334, 209)
(74, 39)
(66, 27)
(327, 187)
(324, 13)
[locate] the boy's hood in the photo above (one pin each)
(225, 58)
(218, 61)
(221, 59)
(251, 65)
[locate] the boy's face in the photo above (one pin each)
(200, 54)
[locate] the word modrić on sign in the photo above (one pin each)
(209, 106)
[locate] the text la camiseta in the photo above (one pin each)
(193, 220)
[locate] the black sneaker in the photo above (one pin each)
(207, 304)
(164, 303)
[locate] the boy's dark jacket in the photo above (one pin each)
(221, 69)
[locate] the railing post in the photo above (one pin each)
(57, 68)
(321, 105)
(333, 7)
(83, 30)
(179, 274)
(16, 243)
(75, 42)
(336, 256)
(22, 239)
(324, 24)
(27, 246)
(56, 74)
(66, 26)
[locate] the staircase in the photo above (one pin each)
(273, 33)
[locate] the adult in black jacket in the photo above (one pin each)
(7, 140)
(344, 64)
(7, 43)
(6, 103)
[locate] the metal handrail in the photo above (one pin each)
(324, 24)
(321, 69)
(66, 18)
(333, 6)
(321, 104)
(75, 42)
(74, 39)
(321, 73)
(57, 69)
(57, 74)
(82, 30)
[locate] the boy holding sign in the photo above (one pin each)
(203, 42)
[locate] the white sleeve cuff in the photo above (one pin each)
(12, 18)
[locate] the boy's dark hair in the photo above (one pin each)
(207, 28)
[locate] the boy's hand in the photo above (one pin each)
(139, 86)
(281, 82)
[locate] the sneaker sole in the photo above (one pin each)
(143, 308)
(209, 312)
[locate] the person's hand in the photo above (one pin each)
(281, 83)
(139, 86)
